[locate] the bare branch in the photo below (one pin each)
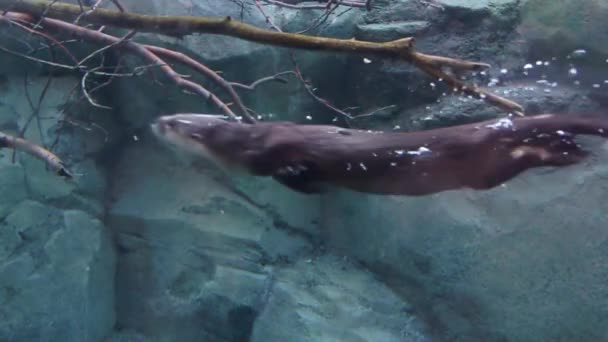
(402, 49)
(374, 112)
(220, 81)
(129, 35)
(138, 49)
(87, 95)
(182, 26)
(51, 160)
(55, 42)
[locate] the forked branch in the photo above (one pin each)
(150, 54)
(402, 49)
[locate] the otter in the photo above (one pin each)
(313, 158)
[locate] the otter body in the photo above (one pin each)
(308, 158)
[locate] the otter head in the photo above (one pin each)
(204, 135)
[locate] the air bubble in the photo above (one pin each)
(578, 53)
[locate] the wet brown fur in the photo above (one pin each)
(478, 156)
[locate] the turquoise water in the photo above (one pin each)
(148, 241)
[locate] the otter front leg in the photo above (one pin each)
(301, 177)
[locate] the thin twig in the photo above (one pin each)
(273, 78)
(402, 49)
(204, 70)
(323, 17)
(137, 49)
(87, 95)
(297, 71)
(128, 36)
(373, 112)
(360, 4)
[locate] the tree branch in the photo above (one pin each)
(36, 151)
(148, 53)
(185, 25)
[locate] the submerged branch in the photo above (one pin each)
(150, 54)
(36, 151)
(402, 49)
(207, 72)
(187, 25)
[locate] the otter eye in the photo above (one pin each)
(196, 136)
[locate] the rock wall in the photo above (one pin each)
(149, 245)
(56, 255)
(207, 256)
(523, 262)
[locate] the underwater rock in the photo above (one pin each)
(455, 109)
(194, 245)
(330, 299)
(512, 263)
(385, 32)
(204, 257)
(56, 275)
(12, 184)
(561, 27)
(221, 49)
(75, 144)
(56, 266)
(473, 5)
(534, 97)
(241, 61)
(209, 47)
(572, 35)
(474, 30)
